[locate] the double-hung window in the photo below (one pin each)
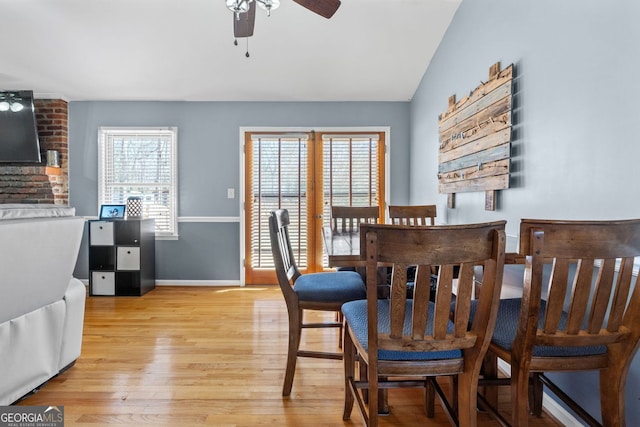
(141, 162)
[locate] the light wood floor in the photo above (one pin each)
(182, 356)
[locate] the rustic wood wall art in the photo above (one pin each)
(475, 139)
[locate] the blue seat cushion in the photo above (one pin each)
(330, 287)
(507, 325)
(355, 314)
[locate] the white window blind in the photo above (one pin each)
(141, 162)
(350, 171)
(280, 171)
(279, 181)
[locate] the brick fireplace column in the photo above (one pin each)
(37, 183)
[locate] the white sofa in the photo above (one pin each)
(41, 304)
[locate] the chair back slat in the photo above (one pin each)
(621, 294)
(286, 252)
(557, 291)
(588, 301)
(632, 313)
(398, 298)
(349, 218)
(493, 268)
(447, 247)
(604, 285)
(421, 292)
(580, 296)
(412, 215)
(464, 292)
(284, 261)
(444, 290)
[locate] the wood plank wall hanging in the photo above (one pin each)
(475, 139)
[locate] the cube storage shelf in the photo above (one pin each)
(122, 257)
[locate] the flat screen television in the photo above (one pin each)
(18, 130)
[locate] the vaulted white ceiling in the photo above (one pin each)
(371, 50)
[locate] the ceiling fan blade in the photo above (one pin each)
(324, 8)
(244, 22)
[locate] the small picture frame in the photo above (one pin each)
(112, 211)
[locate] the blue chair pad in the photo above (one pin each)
(507, 325)
(355, 314)
(330, 287)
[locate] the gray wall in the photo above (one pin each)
(575, 150)
(209, 163)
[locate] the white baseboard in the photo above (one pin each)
(550, 406)
(188, 282)
(558, 412)
(198, 283)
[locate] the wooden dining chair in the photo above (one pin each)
(589, 318)
(408, 342)
(416, 215)
(412, 215)
(314, 291)
(349, 218)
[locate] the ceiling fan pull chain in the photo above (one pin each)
(247, 54)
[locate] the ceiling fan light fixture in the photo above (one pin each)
(4, 106)
(268, 5)
(245, 13)
(238, 6)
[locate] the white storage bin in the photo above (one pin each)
(101, 233)
(103, 283)
(128, 258)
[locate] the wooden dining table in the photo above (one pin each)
(342, 248)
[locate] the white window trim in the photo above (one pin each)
(127, 130)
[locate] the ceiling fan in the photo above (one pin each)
(244, 12)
